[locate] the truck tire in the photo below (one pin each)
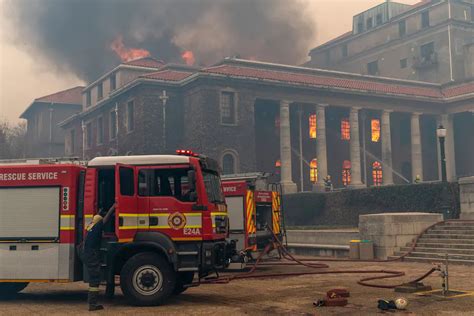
(183, 279)
(147, 279)
(9, 289)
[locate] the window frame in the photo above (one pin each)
(403, 63)
(402, 28)
(130, 129)
(100, 131)
(345, 50)
(369, 23)
(425, 19)
(377, 173)
(88, 98)
(113, 81)
(313, 170)
(72, 141)
(369, 67)
(89, 134)
(234, 108)
(378, 19)
(313, 126)
(100, 91)
(113, 131)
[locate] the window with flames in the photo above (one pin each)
(345, 129)
(312, 126)
(313, 170)
(377, 173)
(375, 127)
(346, 172)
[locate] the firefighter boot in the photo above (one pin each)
(92, 299)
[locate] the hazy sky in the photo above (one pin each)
(24, 77)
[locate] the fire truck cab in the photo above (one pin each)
(255, 211)
(170, 223)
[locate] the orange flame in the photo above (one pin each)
(125, 53)
(188, 57)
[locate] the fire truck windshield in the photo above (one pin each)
(213, 186)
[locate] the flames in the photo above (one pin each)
(188, 57)
(126, 53)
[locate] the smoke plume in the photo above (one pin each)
(77, 35)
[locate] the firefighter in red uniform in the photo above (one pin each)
(92, 256)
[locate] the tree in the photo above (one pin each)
(12, 140)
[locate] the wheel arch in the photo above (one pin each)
(147, 242)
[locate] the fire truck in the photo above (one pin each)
(170, 222)
(254, 209)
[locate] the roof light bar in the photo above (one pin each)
(185, 152)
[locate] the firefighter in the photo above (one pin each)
(92, 256)
(327, 183)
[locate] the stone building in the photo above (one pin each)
(44, 138)
(431, 41)
(297, 122)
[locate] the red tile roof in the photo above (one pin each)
(69, 96)
(168, 75)
(317, 80)
(148, 62)
(457, 90)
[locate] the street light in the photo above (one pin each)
(441, 133)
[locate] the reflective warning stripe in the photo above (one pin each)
(251, 225)
(67, 222)
(276, 212)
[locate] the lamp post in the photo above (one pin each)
(441, 133)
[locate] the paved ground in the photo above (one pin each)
(290, 296)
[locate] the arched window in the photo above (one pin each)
(312, 126)
(377, 173)
(228, 163)
(346, 172)
(345, 129)
(375, 127)
(313, 170)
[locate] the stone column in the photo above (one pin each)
(447, 121)
(387, 172)
(321, 150)
(416, 154)
(288, 186)
(356, 180)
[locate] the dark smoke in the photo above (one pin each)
(75, 35)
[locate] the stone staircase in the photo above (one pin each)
(454, 238)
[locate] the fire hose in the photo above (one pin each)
(387, 274)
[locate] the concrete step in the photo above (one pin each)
(425, 239)
(442, 246)
(440, 256)
(460, 251)
(449, 232)
(449, 236)
(457, 223)
(319, 250)
(430, 260)
(454, 227)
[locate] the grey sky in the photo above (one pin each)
(24, 77)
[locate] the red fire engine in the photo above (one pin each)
(255, 212)
(170, 222)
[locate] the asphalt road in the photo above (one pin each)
(286, 296)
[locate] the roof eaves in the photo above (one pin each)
(330, 88)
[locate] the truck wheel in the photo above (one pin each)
(8, 289)
(147, 279)
(183, 278)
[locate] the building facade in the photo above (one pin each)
(431, 41)
(44, 138)
(298, 123)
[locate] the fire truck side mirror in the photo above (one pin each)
(192, 180)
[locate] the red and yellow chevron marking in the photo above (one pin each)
(276, 212)
(250, 204)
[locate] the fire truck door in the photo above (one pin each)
(126, 217)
